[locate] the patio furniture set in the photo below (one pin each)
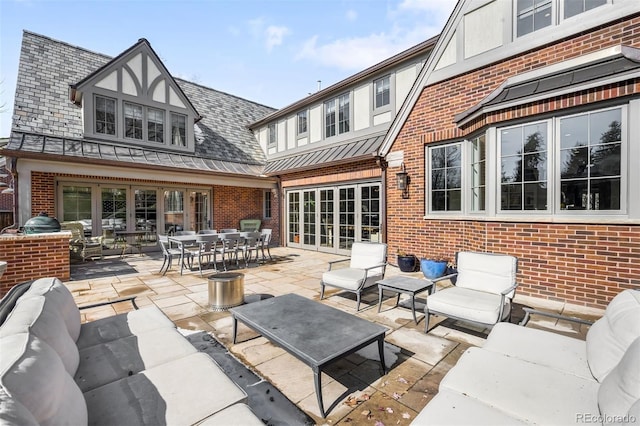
(132, 368)
(206, 246)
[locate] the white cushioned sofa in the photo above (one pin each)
(134, 368)
(523, 375)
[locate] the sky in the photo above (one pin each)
(272, 52)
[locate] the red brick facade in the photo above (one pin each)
(584, 264)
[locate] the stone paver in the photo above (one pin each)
(354, 390)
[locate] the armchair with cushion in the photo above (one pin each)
(485, 286)
(84, 247)
(367, 265)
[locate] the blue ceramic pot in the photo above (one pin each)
(432, 269)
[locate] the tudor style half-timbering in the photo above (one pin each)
(323, 148)
(521, 137)
(120, 145)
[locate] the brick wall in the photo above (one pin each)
(583, 264)
(35, 256)
(359, 170)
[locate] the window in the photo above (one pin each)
(382, 92)
(590, 161)
(132, 121)
(272, 133)
(302, 122)
(336, 111)
(330, 118)
(478, 173)
(267, 204)
(532, 15)
(178, 129)
(575, 7)
(523, 170)
(155, 125)
(105, 115)
(446, 177)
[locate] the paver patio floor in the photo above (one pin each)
(354, 390)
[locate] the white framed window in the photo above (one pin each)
(267, 204)
(523, 154)
(336, 116)
(445, 177)
(155, 125)
(382, 91)
(590, 161)
(478, 173)
(105, 115)
(178, 129)
(575, 7)
(271, 134)
(533, 15)
(132, 121)
(301, 119)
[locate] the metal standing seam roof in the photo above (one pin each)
(362, 148)
(28, 143)
(549, 85)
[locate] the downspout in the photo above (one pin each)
(13, 169)
(280, 195)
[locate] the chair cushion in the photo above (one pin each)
(14, 413)
(366, 255)
(620, 390)
(180, 392)
(122, 325)
(56, 292)
(610, 336)
(347, 278)
(541, 347)
(533, 393)
(487, 272)
(129, 355)
(32, 373)
(478, 306)
(453, 408)
(39, 316)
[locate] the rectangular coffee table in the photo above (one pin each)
(406, 285)
(314, 333)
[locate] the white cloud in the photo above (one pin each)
(275, 35)
(412, 22)
(351, 15)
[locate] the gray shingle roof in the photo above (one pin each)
(42, 108)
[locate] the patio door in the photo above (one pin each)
(331, 219)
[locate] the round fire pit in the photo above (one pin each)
(226, 290)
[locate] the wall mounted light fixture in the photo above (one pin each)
(402, 178)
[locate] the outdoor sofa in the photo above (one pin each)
(132, 368)
(523, 375)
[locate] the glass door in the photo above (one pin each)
(327, 219)
(113, 213)
(199, 210)
(309, 218)
(370, 213)
(347, 217)
(173, 211)
(145, 201)
(293, 229)
(77, 206)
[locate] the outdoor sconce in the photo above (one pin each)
(403, 182)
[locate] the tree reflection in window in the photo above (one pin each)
(446, 178)
(590, 152)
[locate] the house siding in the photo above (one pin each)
(586, 264)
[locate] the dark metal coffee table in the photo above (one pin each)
(314, 333)
(406, 285)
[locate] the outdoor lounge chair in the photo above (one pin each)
(83, 247)
(368, 263)
(485, 286)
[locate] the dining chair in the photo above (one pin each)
(168, 253)
(252, 244)
(206, 249)
(230, 245)
(266, 242)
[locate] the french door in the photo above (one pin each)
(332, 218)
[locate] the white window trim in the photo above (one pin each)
(378, 109)
(629, 182)
(465, 188)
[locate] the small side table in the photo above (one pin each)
(399, 284)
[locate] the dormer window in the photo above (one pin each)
(178, 129)
(155, 125)
(132, 121)
(105, 115)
